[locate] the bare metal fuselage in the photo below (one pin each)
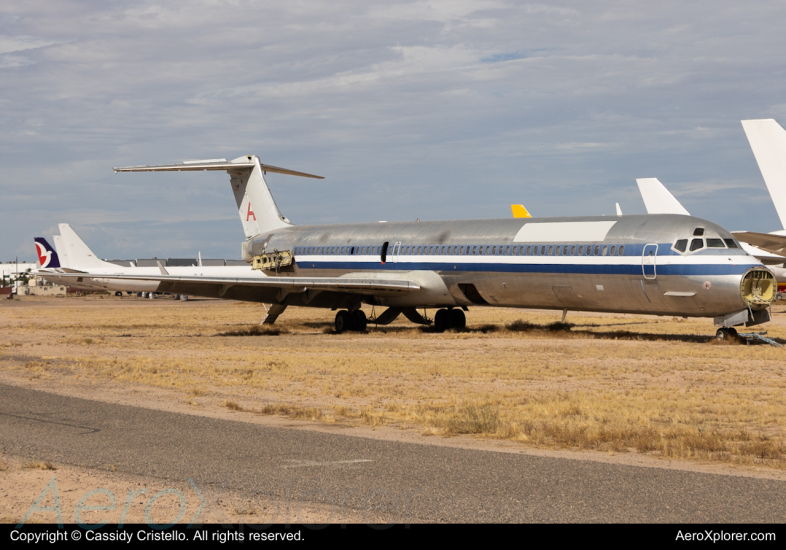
(504, 263)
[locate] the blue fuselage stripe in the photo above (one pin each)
(587, 269)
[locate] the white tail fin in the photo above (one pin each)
(657, 198)
(619, 210)
(62, 253)
(768, 141)
(255, 205)
(78, 254)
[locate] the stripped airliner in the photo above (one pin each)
(627, 264)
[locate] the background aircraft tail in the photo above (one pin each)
(47, 257)
(78, 253)
(657, 198)
(768, 141)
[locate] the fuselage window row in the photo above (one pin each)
(479, 250)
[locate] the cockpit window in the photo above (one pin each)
(715, 243)
(731, 243)
(696, 244)
(698, 232)
(682, 245)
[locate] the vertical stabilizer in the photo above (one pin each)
(61, 251)
(47, 257)
(657, 198)
(619, 210)
(258, 211)
(78, 253)
(768, 141)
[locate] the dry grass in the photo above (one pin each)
(38, 465)
(256, 330)
(612, 383)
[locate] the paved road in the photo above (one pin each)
(410, 481)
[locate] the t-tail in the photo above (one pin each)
(258, 211)
(47, 257)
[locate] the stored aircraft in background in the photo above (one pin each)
(627, 264)
(73, 260)
(768, 142)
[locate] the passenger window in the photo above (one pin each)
(557, 251)
(551, 250)
(612, 251)
(597, 250)
(581, 250)
(589, 251)
(573, 250)
(698, 232)
(493, 250)
(715, 243)
(507, 250)
(521, 250)
(487, 250)
(461, 250)
(565, 251)
(622, 251)
(543, 250)
(730, 243)
(603, 252)
(696, 244)
(529, 250)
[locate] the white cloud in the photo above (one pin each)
(433, 109)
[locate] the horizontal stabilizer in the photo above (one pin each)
(239, 164)
(657, 198)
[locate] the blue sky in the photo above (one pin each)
(430, 110)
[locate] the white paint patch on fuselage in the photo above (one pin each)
(559, 232)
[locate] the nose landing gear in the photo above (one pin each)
(725, 333)
(350, 320)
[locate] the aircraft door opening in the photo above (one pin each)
(384, 254)
(395, 251)
(648, 259)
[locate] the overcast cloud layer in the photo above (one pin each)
(430, 110)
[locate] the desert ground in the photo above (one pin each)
(604, 386)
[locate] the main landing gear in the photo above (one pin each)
(350, 320)
(449, 318)
(724, 333)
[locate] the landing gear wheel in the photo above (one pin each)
(724, 333)
(118, 293)
(457, 319)
(360, 321)
(343, 321)
(441, 320)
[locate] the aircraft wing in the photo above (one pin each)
(355, 285)
(775, 244)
